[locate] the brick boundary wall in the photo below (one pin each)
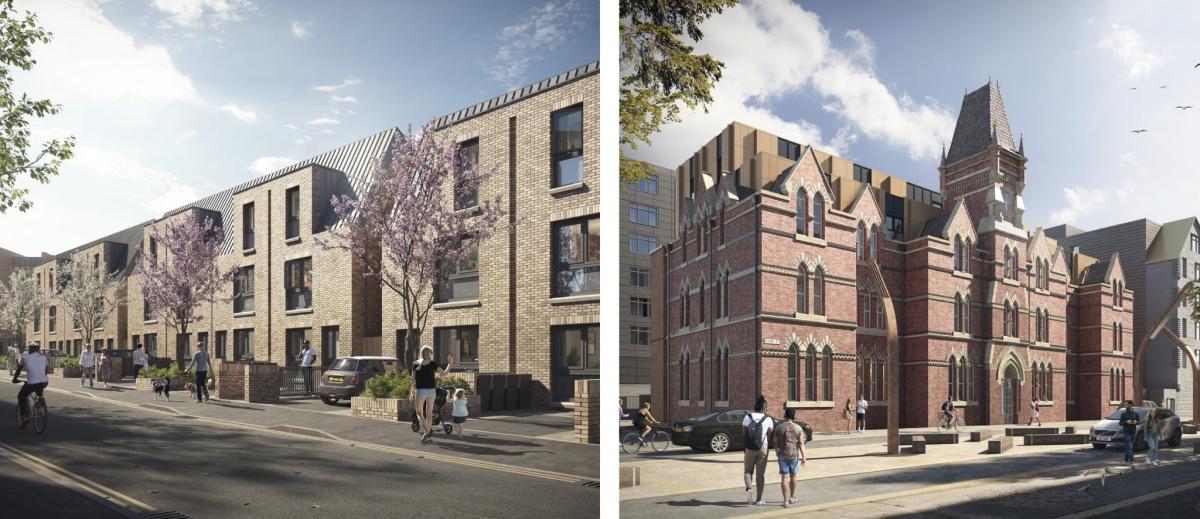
(231, 381)
(261, 382)
(587, 411)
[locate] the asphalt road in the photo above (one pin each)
(204, 469)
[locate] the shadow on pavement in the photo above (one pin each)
(697, 503)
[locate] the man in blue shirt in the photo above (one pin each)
(1129, 426)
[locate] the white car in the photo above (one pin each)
(1109, 430)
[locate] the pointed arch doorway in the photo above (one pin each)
(1010, 394)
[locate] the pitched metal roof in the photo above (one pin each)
(981, 123)
(1172, 240)
(508, 98)
(936, 226)
(356, 160)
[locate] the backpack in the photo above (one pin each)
(754, 435)
(788, 441)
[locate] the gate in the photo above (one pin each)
(299, 381)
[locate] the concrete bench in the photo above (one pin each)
(1055, 439)
(630, 477)
(1022, 431)
(978, 436)
(930, 438)
(1188, 428)
(1070, 429)
(918, 445)
(999, 445)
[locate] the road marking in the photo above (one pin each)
(1132, 501)
(413, 453)
(74, 481)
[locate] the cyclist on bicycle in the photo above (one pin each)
(643, 421)
(948, 410)
(37, 367)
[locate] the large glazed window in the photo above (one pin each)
(298, 283)
(462, 280)
(577, 347)
(576, 257)
(292, 227)
(466, 197)
(248, 226)
(243, 290)
(566, 141)
(460, 341)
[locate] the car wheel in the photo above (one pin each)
(331, 400)
(719, 442)
(1099, 446)
(1176, 438)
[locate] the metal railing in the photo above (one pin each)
(299, 381)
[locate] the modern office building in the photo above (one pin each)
(1159, 261)
(648, 219)
(767, 289)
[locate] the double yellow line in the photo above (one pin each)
(75, 481)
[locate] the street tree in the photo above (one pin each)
(420, 218)
(89, 294)
(21, 298)
(660, 71)
(185, 272)
(19, 157)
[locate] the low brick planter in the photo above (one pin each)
(390, 409)
(930, 438)
(978, 436)
(68, 372)
(1055, 439)
(999, 445)
(1022, 431)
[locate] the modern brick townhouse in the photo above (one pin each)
(766, 288)
(528, 304)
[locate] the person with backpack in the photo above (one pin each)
(789, 452)
(755, 428)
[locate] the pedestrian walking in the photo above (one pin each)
(1129, 425)
(424, 388)
(201, 362)
(789, 453)
(87, 364)
(139, 360)
(1153, 435)
(1034, 407)
(459, 414)
(848, 414)
(755, 427)
(103, 367)
(860, 413)
(306, 357)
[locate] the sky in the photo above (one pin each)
(882, 82)
(173, 100)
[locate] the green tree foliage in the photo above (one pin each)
(659, 70)
(17, 159)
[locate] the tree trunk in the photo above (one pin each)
(412, 340)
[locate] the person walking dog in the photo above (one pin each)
(201, 362)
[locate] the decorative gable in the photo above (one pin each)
(866, 208)
(806, 174)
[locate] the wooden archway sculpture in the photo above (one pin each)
(893, 357)
(1139, 364)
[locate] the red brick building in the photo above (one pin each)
(765, 289)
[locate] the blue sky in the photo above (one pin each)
(882, 82)
(172, 100)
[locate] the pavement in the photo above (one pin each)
(853, 477)
(119, 453)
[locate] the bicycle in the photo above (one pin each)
(945, 423)
(37, 411)
(633, 442)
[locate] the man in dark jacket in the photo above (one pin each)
(1129, 426)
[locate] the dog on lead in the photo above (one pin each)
(162, 388)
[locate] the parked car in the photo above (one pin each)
(717, 432)
(349, 375)
(1109, 431)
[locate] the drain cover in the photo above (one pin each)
(164, 515)
(589, 483)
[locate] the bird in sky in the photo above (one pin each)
(1197, 65)
(1133, 88)
(1138, 131)
(1183, 107)
(1162, 86)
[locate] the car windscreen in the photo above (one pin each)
(344, 364)
(1117, 414)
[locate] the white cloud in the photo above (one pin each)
(184, 137)
(1126, 45)
(291, 126)
(303, 139)
(322, 121)
(343, 99)
(192, 13)
(774, 50)
(264, 165)
(245, 115)
(542, 28)
(157, 191)
(300, 29)
(333, 88)
(1080, 202)
(90, 59)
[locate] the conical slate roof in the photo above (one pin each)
(981, 123)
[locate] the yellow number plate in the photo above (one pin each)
(335, 378)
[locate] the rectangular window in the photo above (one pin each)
(243, 344)
(1183, 268)
(649, 184)
(639, 335)
(1195, 243)
(243, 290)
(1183, 328)
(566, 141)
(298, 283)
(248, 226)
(462, 281)
(862, 174)
(329, 345)
(151, 340)
(577, 346)
(153, 248)
(294, 343)
(893, 220)
(222, 344)
(460, 341)
(576, 257)
(643, 214)
(641, 244)
(147, 312)
(202, 338)
(720, 162)
(292, 213)
(789, 149)
(639, 307)
(639, 277)
(468, 158)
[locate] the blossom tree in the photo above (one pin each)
(21, 298)
(185, 273)
(420, 218)
(89, 294)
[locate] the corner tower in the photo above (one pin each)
(984, 167)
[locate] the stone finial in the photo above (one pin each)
(1021, 147)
